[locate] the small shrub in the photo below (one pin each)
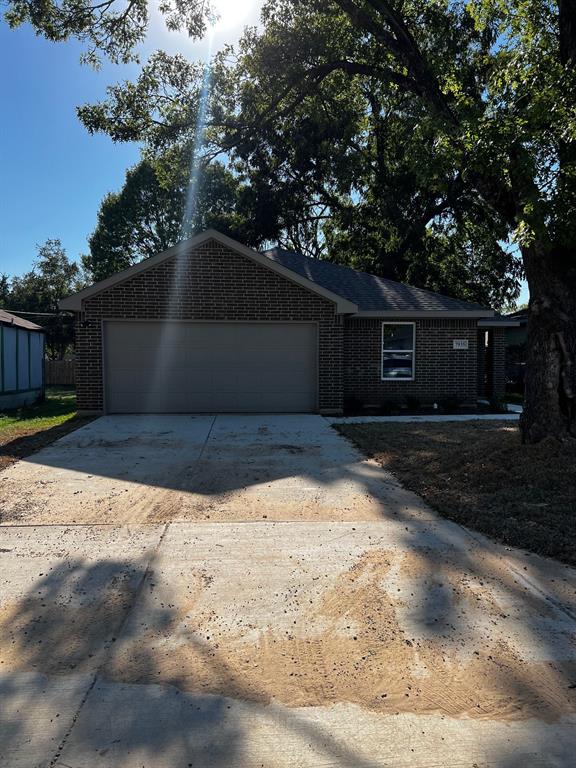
(497, 405)
(352, 405)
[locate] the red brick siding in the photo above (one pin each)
(210, 283)
(440, 370)
(213, 283)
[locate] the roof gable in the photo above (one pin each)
(352, 292)
(74, 302)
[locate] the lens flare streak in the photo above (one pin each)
(169, 355)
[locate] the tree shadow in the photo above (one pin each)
(136, 468)
(61, 704)
(23, 446)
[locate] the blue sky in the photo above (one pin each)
(53, 174)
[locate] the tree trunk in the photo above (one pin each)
(550, 384)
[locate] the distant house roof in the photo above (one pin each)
(500, 321)
(369, 292)
(521, 315)
(7, 318)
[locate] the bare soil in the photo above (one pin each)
(479, 474)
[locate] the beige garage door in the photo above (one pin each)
(171, 367)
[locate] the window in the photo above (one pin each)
(398, 343)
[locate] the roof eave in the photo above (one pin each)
(27, 327)
(498, 323)
(420, 314)
(74, 302)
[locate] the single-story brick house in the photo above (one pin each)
(211, 325)
(21, 361)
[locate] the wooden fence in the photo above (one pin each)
(59, 373)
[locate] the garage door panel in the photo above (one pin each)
(207, 367)
(284, 358)
(155, 402)
(277, 380)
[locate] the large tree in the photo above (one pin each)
(52, 277)
(492, 88)
(337, 174)
(158, 206)
(151, 212)
(471, 105)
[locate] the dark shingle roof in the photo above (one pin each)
(369, 292)
(521, 315)
(7, 318)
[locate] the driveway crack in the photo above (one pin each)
(107, 647)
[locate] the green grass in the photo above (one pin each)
(58, 406)
(24, 431)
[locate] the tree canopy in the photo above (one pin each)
(351, 159)
(149, 214)
(52, 277)
(113, 28)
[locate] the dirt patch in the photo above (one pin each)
(479, 474)
(150, 442)
(346, 646)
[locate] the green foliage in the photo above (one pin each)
(150, 212)
(413, 404)
(381, 134)
(450, 404)
(431, 139)
(52, 277)
(4, 290)
(111, 27)
(498, 405)
(358, 149)
(58, 406)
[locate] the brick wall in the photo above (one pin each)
(497, 351)
(213, 283)
(481, 370)
(440, 370)
(210, 283)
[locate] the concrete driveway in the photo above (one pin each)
(135, 469)
(248, 591)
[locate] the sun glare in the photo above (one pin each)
(231, 13)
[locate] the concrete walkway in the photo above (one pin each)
(423, 418)
(393, 638)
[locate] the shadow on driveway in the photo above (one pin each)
(409, 637)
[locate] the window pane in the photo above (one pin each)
(397, 365)
(397, 336)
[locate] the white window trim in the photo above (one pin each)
(382, 351)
